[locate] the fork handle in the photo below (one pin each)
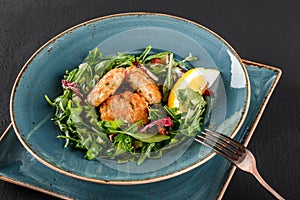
(265, 184)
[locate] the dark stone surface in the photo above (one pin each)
(262, 31)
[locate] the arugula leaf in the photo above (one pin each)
(158, 55)
(142, 57)
(94, 57)
(173, 112)
(169, 82)
(145, 153)
(195, 104)
(189, 58)
(156, 112)
(124, 142)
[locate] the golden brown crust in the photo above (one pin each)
(138, 109)
(143, 84)
(106, 86)
(127, 106)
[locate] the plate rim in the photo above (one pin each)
(126, 182)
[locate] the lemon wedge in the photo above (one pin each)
(197, 79)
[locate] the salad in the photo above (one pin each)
(130, 107)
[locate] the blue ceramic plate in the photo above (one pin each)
(128, 32)
(208, 181)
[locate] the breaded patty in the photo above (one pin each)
(106, 86)
(143, 84)
(127, 106)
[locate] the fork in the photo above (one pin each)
(235, 152)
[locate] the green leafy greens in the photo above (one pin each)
(80, 124)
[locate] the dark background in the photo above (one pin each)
(261, 31)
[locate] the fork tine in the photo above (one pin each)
(225, 144)
(222, 144)
(227, 139)
(217, 147)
